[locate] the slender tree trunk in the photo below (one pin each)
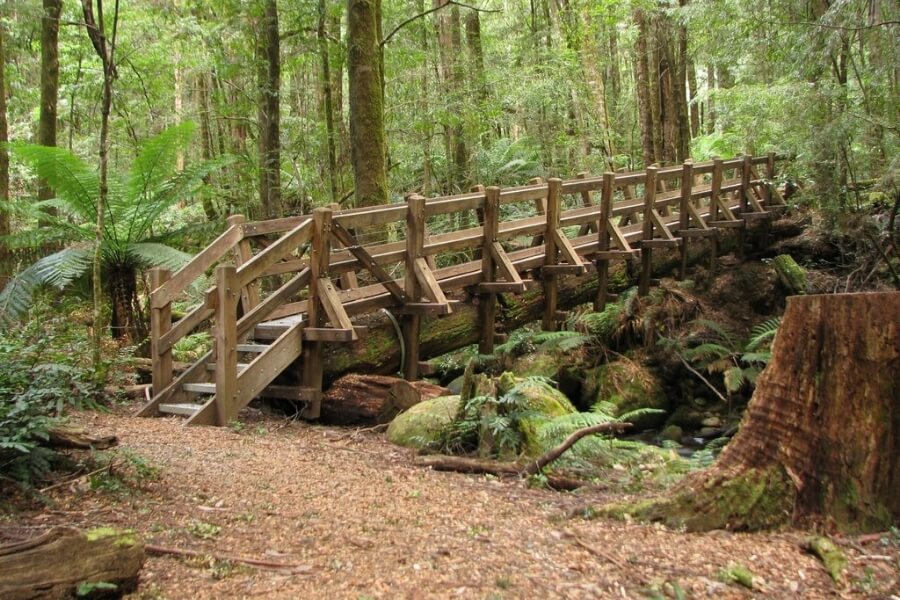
(269, 77)
(327, 100)
(590, 54)
(337, 88)
(4, 165)
(476, 53)
(692, 95)
(367, 139)
(643, 89)
(425, 114)
(206, 139)
(458, 78)
(49, 83)
(711, 104)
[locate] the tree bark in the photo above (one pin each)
(367, 138)
(820, 441)
(327, 99)
(49, 83)
(57, 562)
(206, 139)
(643, 90)
(4, 164)
(269, 83)
(355, 399)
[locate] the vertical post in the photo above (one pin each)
(479, 216)
(320, 255)
(770, 177)
(487, 306)
(540, 207)
(714, 194)
(415, 240)
(744, 202)
(243, 254)
(226, 343)
(684, 220)
(160, 323)
(606, 201)
(587, 200)
(647, 231)
(349, 280)
(550, 255)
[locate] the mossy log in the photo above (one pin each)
(791, 275)
(355, 399)
(820, 441)
(65, 562)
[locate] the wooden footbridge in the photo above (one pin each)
(286, 287)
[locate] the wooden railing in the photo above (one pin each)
(675, 204)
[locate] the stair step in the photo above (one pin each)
(212, 366)
(255, 348)
(200, 388)
(184, 409)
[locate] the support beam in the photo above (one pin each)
(647, 231)
(412, 323)
(551, 258)
(487, 300)
(160, 323)
(684, 214)
(226, 343)
(320, 252)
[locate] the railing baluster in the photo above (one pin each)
(226, 343)
(684, 220)
(487, 307)
(714, 195)
(320, 255)
(647, 230)
(606, 202)
(160, 323)
(551, 256)
(415, 242)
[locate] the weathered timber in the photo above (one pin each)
(76, 437)
(358, 399)
(54, 564)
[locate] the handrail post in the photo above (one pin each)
(226, 343)
(770, 177)
(587, 201)
(242, 254)
(487, 307)
(684, 221)
(320, 256)
(160, 323)
(647, 230)
(551, 258)
(715, 193)
(415, 241)
(606, 201)
(746, 166)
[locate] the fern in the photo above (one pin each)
(763, 334)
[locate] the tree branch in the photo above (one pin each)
(428, 12)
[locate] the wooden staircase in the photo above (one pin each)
(257, 340)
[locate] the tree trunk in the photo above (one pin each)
(355, 399)
(4, 165)
(269, 82)
(49, 83)
(590, 54)
(820, 441)
(692, 97)
(458, 77)
(206, 140)
(642, 89)
(327, 100)
(367, 139)
(711, 103)
(58, 562)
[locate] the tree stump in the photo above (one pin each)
(357, 399)
(64, 562)
(820, 442)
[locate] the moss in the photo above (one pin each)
(737, 573)
(125, 538)
(750, 500)
(421, 426)
(831, 556)
(630, 386)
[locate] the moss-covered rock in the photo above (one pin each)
(541, 401)
(421, 426)
(629, 386)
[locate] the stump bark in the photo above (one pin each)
(820, 442)
(60, 561)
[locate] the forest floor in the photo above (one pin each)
(356, 519)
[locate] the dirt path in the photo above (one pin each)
(366, 524)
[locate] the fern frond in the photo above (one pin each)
(763, 334)
(632, 415)
(723, 334)
(762, 358)
(71, 178)
(58, 269)
(734, 379)
(159, 255)
(157, 159)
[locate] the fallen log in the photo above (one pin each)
(356, 399)
(76, 437)
(64, 563)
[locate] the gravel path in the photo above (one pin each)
(357, 520)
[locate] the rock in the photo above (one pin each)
(421, 426)
(687, 417)
(673, 433)
(540, 364)
(708, 432)
(629, 386)
(712, 421)
(545, 401)
(455, 386)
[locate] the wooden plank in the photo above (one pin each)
(587, 201)
(285, 245)
(366, 260)
(540, 207)
(226, 343)
(487, 306)
(501, 287)
(268, 365)
(661, 226)
(190, 321)
(277, 298)
(428, 283)
(504, 265)
(415, 237)
(329, 334)
(647, 231)
(160, 324)
(198, 265)
(566, 249)
(173, 392)
(684, 214)
(320, 254)
(551, 257)
(714, 207)
(697, 219)
(331, 302)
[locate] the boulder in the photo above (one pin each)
(629, 386)
(420, 427)
(543, 401)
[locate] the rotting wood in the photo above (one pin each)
(364, 399)
(76, 437)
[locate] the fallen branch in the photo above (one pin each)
(461, 464)
(294, 568)
(75, 437)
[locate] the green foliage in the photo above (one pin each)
(737, 573)
(137, 201)
(41, 376)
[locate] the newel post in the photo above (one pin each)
(160, 324)
(412, 323)
(320, 257)
(226, 343)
